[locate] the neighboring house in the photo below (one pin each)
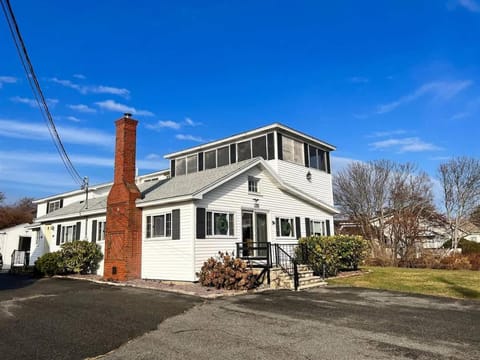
(19, 237)
(268, 185)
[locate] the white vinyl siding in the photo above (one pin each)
(231, 197)
(170, 259)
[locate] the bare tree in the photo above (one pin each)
(361, 191)
(22, 211)
(410, 209)
(460, 180)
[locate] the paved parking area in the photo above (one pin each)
(67, 319)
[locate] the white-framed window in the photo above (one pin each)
(68, 233)
(159, 226)
(54, 205)
(101, 230)
(285, 227)
(317, 228)
(253, 184)
(220, 223)
(180, 166)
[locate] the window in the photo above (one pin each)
(54, 205)
(318, 228)
(223, 156)
(284, 227)
(180, 167)
(259, 146)
(244, 150)
(101, 230)
(210, 161)
(68, 233)
(159, 226)
(192, 164)
(220, 223)
(253, 184)
(317, 158)
(292, 151)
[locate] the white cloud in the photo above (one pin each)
(152, 164)
(92, 89)
(53, 158)
(38, 131)
(7, 80)
(82, 108)
(153, 156)
(459, 116)
(32, 102)
(470, 5)
(73, 119)
(111, 105)
(339, 163)
(387, 133)
(359, 80)
(165, 124)
(442, 90)
(401, 145)
(190, 122)
(189, 138)
(79, 76)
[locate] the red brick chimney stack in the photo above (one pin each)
(123, 228)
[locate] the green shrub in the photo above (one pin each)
(332, 253)
(80, 257)
(227, 272)
(49, 264)
(467, 246)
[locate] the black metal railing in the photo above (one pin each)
(257, 254)
(284, 258)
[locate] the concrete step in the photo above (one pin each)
(312, 285)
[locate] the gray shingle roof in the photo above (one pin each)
(190, 184)
(77, 208)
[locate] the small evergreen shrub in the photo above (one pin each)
(227, 272)
(49, 264)
(80, 257)
(334, 253)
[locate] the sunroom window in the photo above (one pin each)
(284, 227)
(220, 223)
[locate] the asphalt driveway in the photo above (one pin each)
(67, 319)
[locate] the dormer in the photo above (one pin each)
(272, 142)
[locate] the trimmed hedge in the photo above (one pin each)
(467, 246)
(339, 252)
(77, 257)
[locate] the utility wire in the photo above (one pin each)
(37, 91)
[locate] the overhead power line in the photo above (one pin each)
(37, 91)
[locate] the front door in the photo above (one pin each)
(254, 233)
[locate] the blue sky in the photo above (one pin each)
(378, 79)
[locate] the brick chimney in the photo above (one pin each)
(123, 241)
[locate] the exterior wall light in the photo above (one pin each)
(309, 176)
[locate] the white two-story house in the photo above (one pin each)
(268, 185)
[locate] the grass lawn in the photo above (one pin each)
(464, 284)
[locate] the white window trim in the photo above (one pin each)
(156, 238)
(323, 225)
(279, 218)
(104, 222)
(52, 203)
(62, 232)
(257, 181)
(217, 236)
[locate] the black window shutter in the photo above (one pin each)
(306, 154)
(327, 155)
(298, 230)
(172, 168)
(270, 146)
(327, 225)
(176, 224)
(277, 223)
(200, 223)
(94, 231)
(279, 146)
(200, 161)
(48, 207)
(77, 230)
(307, 227)
(59, 233)
(233, 153)
(61, 203)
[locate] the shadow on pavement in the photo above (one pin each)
(15, 281)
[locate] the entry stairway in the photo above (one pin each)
(306, 279)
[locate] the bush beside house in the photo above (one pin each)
(227, 272)
(332, 253)
(77, 257)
